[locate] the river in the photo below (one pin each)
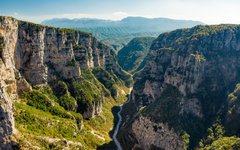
(119, 147)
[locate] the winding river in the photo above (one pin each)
(119, 147)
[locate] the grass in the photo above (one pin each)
(36, 122)
(43, 120)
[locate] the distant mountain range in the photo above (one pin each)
(119, 33)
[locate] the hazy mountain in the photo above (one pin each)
(119, 33)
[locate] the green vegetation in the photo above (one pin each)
(68, 102)
(1, 46)
(167, 108)
(41, 101)
(132, 55)
(1, 42)
(46, 116)
(117, 37)
(78, 47)
(224, 143)
(88, 75)
(216, 139)
(215, 132)
(185, 137)
(232, 119)
(36, 121)
(86, 93)
(108, 79)
(198, 57)
(31, 26)
(38, 27)
(71, 63)
(234, 96)
(68, 30)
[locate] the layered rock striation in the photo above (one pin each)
(32, 54)
(183, 87)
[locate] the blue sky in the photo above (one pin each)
(208, 11)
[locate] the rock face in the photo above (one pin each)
(44, 53)
(32, 54)
(183, 88)
(8, 84)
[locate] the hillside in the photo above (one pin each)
(187, 95)
(131, 56)
(57, 87)
(119, 33)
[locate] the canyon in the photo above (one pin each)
(53, 67)
(59, 89)
(183, 93)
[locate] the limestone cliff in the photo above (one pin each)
(32, 54)
(183, 88)
(8, 83)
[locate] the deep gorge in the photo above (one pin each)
(61, 88)
(67, 76)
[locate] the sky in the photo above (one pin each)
(207, 11)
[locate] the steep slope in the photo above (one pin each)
(119, 33)
(183, 90)
(132, 55)
(48, 73)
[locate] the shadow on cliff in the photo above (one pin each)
(111, 145)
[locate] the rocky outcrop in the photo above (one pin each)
(32, 54)
(149, 135)
(8, 84)
(184, 85)
(94, 109)
(44, 54)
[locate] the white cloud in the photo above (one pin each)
(118, 15)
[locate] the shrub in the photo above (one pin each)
(41, 101)
(85, 91)
(38, 100)
(71, 63)
(59, 111)
(185, 137)
(68, 102)
(60, 88)
(108, 79)
(78, 47)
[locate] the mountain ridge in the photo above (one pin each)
(119, 33)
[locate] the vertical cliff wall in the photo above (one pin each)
(32, 54)
(183, 87)
(8, 83)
